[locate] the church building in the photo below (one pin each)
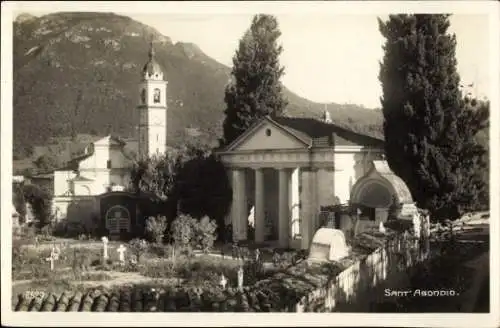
(282, 170)
(104, 164)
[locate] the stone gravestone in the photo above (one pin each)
(223, 281)
(105, 248)
(381, 227)
(121, 252)
(328, 245)
(240, 278)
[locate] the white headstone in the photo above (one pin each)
(223, 281)
(416, 225)
(328, 245)
(105, 247)
(381, 227)
(240, 278)
(257, 255)
(121, 252)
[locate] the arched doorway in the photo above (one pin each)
(375, 192)
(117, 220)
(119, 212)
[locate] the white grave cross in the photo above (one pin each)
(223, 282)
(105, 248)
(53, 257)
(121, 251)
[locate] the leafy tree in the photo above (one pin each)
(256, 89)
(429, 130)
(155, 227)
(205, 235)
(18, 199)
(138, 247)
(41, 203)
(182, 231)
(46, 163)
(154, 175)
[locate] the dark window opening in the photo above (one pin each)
(367, 213)
(156, 96)
(108, 164)
(268, 132)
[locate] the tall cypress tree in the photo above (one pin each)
(255, 90)
(429, 127)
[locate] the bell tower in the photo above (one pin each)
(153, 109)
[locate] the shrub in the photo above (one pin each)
(138, 247)
(205, 235)
(155, 228)
(161, 250)
(182, 231)
(164, 269)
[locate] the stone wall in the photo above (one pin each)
(363, 283)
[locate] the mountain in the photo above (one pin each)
(78, 73)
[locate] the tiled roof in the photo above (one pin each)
(319, 134)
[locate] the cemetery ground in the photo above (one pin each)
(80, 266)
(82, 281)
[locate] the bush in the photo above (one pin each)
(187, 233)
(182, 231)
(205, 235)
(163, 269)
(164, 251)
(155, 228)
(138, 247)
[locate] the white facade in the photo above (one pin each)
(105, 164)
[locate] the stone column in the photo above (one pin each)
(309, 210)
(284, 213)
(294, 202)
(239, 205)
(259, 206)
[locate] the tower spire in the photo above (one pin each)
(151, 49)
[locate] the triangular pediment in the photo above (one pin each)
(266, 135)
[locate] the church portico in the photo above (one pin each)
(269, 181)
(281, 173)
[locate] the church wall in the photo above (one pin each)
(326, 188)
(345, 175)
(61, 185)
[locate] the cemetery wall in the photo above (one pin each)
(366, 281)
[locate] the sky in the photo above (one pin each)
(328, 56)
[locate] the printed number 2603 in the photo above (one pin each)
(34, 294)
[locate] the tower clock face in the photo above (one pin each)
(143, 96)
